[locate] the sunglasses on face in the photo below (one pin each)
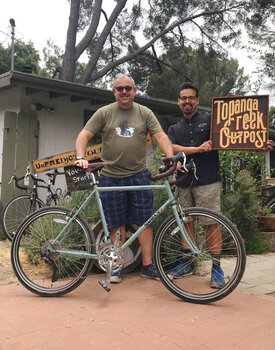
(121, 88)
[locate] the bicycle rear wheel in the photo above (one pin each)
(168, 253)
(15, 211)
(49, 273)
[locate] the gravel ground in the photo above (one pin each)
(6, 272)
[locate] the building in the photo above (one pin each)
(41, 117)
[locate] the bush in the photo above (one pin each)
(232, 162)
(243, 207)
(91, 212)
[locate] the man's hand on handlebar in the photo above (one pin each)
(81, 163)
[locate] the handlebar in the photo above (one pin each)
(52, 176)
(168, 169)
(17, 179)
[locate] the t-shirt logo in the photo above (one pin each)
(124, 131)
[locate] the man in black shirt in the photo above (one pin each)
(192, 136)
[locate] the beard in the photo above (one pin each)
(187, 108)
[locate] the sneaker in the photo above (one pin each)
(181, 270)
(217, 278)
(149, 272)
(117, 276)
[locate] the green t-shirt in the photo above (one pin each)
(123, 133)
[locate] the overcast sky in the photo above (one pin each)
(39, 20)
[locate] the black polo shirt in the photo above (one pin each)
(193, 133)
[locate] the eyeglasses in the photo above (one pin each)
(121, 88)
(184, 98)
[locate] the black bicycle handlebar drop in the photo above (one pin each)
(25, 188)
(170, 166)
(185, 170)
(16, 179)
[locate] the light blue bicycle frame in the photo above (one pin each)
(96, 190)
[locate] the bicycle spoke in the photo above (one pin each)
(193, 272)
(36, 261)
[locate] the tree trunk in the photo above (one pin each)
(101, 41)
(68, 65)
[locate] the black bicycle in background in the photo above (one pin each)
(19, 207)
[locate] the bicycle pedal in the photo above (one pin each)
(105, 285)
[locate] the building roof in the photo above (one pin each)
(55, 88)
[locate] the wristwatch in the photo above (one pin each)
(79, 157)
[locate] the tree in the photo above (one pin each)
(25, 55)
(176, 20)
(211, 71)
(260, 28)
(272, 117)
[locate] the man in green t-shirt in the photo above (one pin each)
(124, 126)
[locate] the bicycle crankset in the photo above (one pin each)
(110, 252)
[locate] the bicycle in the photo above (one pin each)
(54, 248)
(16, 210)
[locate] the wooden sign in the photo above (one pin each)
(62, 160)
(78, 179)
(239, 122)
(68, 158)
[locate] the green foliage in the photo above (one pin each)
(53, 60)
(211, 71)
(25, 55)
(90, 213)
(272, 116)
(242, 207)
(260, 28)
(232, 162)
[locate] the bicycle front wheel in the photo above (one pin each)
(16, 210)
(214, 236)
(35, 260)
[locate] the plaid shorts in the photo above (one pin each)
(127, 207)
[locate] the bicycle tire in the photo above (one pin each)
(15, 211)
(47, 273)
(195, 287)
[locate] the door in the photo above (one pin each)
(20, 145)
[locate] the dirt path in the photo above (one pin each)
(6, 272)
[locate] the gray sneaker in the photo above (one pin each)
(117, 276)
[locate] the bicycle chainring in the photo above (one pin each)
(109, 251)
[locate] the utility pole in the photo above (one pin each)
(12, 23)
